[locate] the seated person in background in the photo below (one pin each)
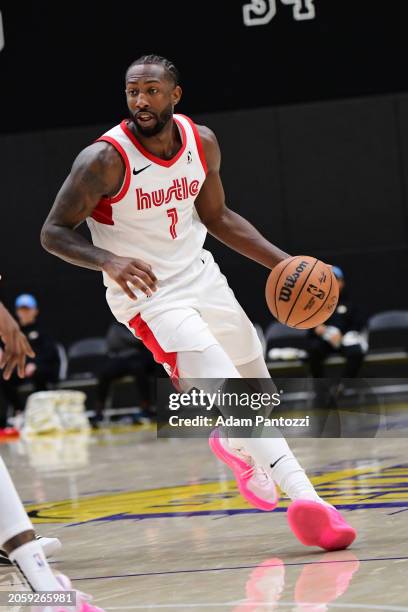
(39, 370)
(340, 334)
(127, 356)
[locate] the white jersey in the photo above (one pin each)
(153, 216)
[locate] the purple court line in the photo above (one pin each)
(237, 567)
(140, 517)
(397, 512)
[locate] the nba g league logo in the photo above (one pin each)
(261, 12)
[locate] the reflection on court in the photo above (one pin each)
(149, 524)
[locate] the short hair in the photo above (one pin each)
(169, 67)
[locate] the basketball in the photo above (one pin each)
(302, 292)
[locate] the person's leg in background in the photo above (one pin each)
(43, 376)
(9, 389)
(318, 350)
(354, 357)
(366, 403)
(3, 414)
(11, 398)
(141, 367)
(113, 368)
(329, 392)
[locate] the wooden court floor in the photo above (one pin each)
(151, 524)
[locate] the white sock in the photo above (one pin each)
(292, 479)
(13, 517)
(268, 452)
(31, 561)
(275, 456)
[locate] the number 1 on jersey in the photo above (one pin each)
(172, 213)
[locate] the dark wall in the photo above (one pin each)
(33, 166)
(63, 64)
(327, 179)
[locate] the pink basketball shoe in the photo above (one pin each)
(253, 482)
(316, 524)
(83, 601)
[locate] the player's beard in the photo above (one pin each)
(162, 120)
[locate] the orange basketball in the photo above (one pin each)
(302, 292)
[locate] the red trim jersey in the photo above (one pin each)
(153, 216)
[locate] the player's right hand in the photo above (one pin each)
(126, 271)
(16, 346)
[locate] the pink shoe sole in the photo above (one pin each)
(317, 525)
(242, 473)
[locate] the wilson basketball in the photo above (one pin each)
(302, 292)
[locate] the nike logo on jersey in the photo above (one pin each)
(141, 170)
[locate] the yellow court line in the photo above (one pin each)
(351, 486)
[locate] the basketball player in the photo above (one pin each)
(18, 541)
(150, 189)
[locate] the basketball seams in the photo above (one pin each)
(292, 294)
(290, 259)
(317, 311)
(300, 291)
(327, 296)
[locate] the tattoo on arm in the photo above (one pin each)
(97, 172)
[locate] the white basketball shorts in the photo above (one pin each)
(190, 312)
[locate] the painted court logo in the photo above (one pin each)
(180, 189)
